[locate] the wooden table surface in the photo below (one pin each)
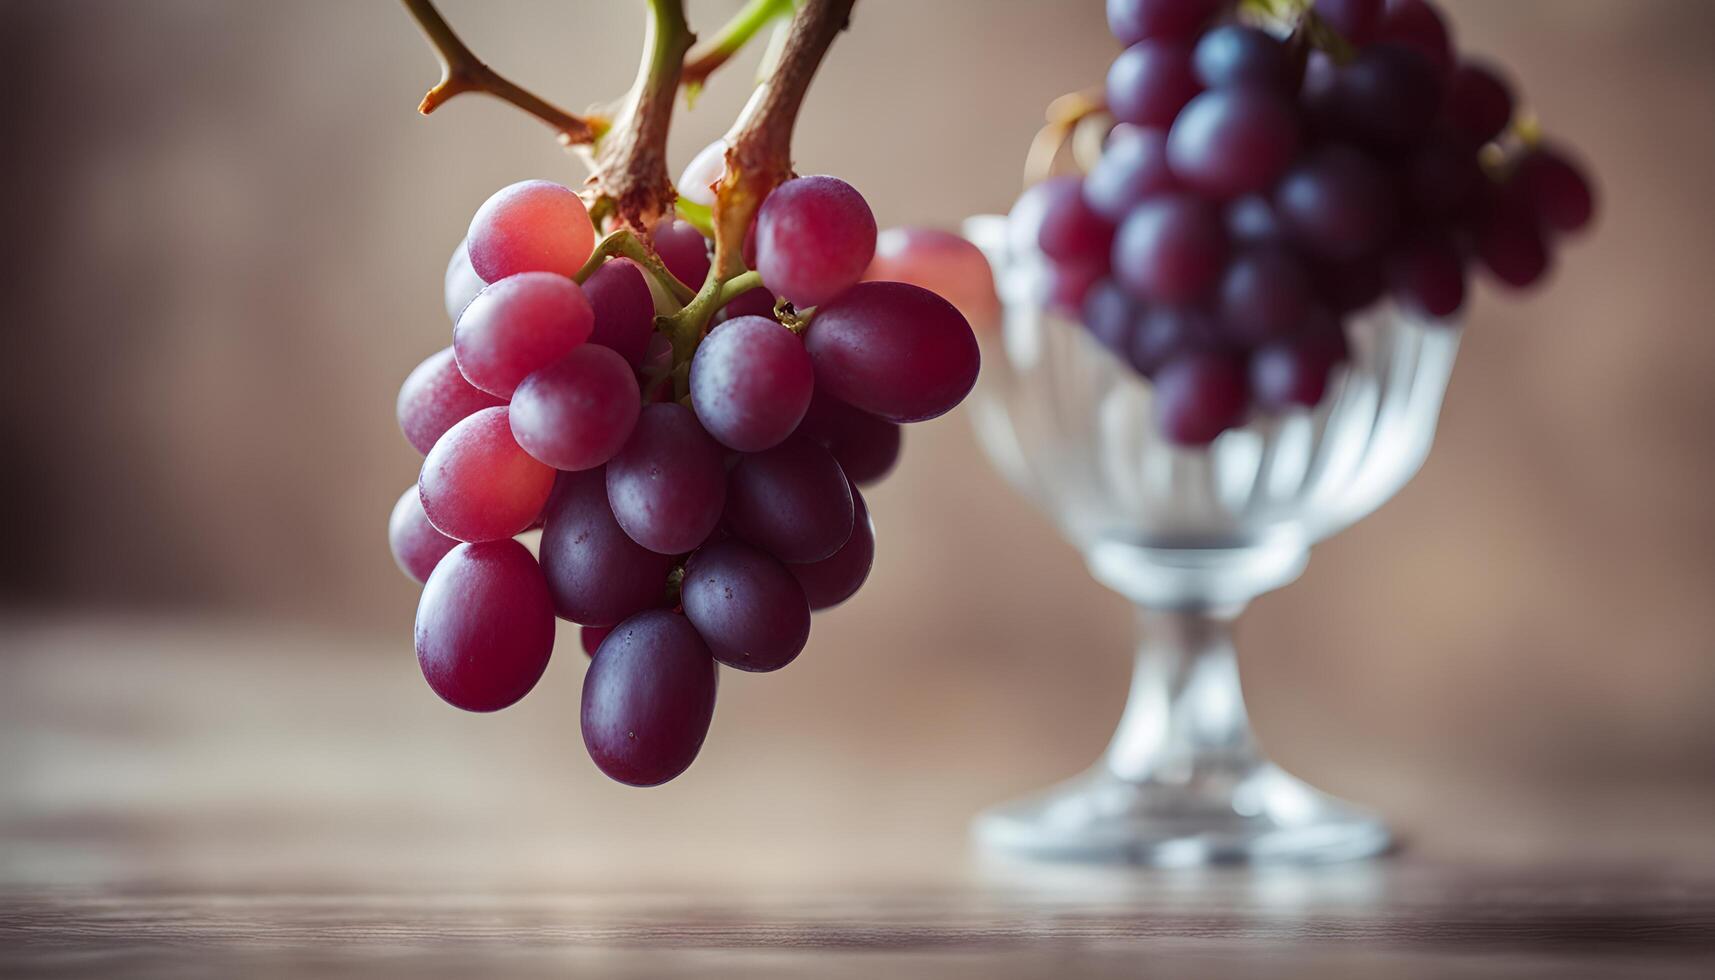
(237, 801)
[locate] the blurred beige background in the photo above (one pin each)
(225, 233)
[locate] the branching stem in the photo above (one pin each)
(626, 244)
(706, 58)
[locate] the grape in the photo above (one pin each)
(792, 501)
(530, 226)
(590, 638)
(1069, 284)
(1200, 395)
(814, 238)
(668, 485)
(596, 574)
(941, 262)
(836, 578)
(1132, 167)
(1354, 20)
(478, 484)
(1337, 202)
(1389, 95)
(894, 350)
(1417, 25)
(1428, 275)
(1441, 178)
(1109, 313)
(1349, 286)
(1509, 240)
(1170, 249)
(576, 413)
(751, 381)
(1133, 20)
(683, 250)
(748, 608)
(434, 396)
(417, 546)
(649, 695)
(1290, 373)
(461, 284)
(1150, 82)
(1558, 191)
(622, 308)
(1265, 293)
(1479, 105)
(519, 325)
(751, 302)
(866, 447)
(1252, 221)
(1231, 142)
(1167, 332)
(697, 180)
(1052, 216)
(1235, 54)
(484, 626)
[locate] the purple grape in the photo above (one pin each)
(836, 578)
(478, 484)
(1069, 285)
(461, 283)
(1442, 178)
(1349, 286)
(1133, 167)
(1558, 191)
(1200, 395)
(1134, 20)
(866, 447)
(1418, 25)
(530, 226)
(814, 238)
(748, 608)
(1170, 249)
(1292, 372)
(751, 381)
(1251, 220)
(751, 302)
(1167, 332)
(434, 397)
(520, 325)
(1150, 82)
(485, 626)
(1235, 54)
(1231, 142)
(1264, 294)
(1354, 20)
(791, 501)
(1337, 202)
(1509, 238)
(1427, 275)
(590, 638)
(576, 413)
(683, 250)
(649, 695)
(417, 546)
(1053, 217)
(894, 350)
(1109, 313)
(1479, 105)
(622, 308)
(596, 574)
(668, 485)
(1389, 95)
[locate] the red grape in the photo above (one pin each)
(1133, 20)
(417, 546)
(485, 627)
(1427, 274)
(1418, 25)
(1388, 95)
(530, 226)
(668, 485)
(746, 606)
(751, 302)
(1150, 82)
(1337, 202)
(596, 574)
(1231, 142)
(461, 283)
(478, 484)
(1052, 216)
(894, 350)
(621, 308)
(1237, 54)
(1479, 105)
(576, 413)
(435, 396)
(590, 638)
(1290, 373)
(683, 250)
(520, 325)
(1170, 249)
(792, 501)
(939, 261)
(751, 381)
(836, 578)
(866, 447)
(1166, 332)
(1200, 395)
(1265, 293)
(649, 695)
(1509, 239)
(1132, 167)
(814, 238)
(1558, 191)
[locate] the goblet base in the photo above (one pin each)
(1265, 817)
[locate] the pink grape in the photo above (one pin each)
(577, 412)
(683, 250)
(417, 546)
(751, 381)
(478, 484)
(621, 308)
(596, 574)
(485, 627)
(836, 578)
(461, 283)
(894, 350)
(791, 501)
(866, 447)
(668, 485)
(746, 606)
(707, 167)
(941, 262)
(814, 238)
(435, 396)
(649, 695)
(520, 325)
(530, 226)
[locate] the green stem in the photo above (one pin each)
(705, 59)
(625, 243)
(699, 216)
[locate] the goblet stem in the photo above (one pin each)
(1184, 720)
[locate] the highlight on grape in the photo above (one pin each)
(1275, 167)
(685, 389)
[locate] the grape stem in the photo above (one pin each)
(705, 59)
(625, 243)
(631, 161)
(462, 71)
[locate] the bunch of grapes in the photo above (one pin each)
(696, 501)
(1276, 167)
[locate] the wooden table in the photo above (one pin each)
(228, 800)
